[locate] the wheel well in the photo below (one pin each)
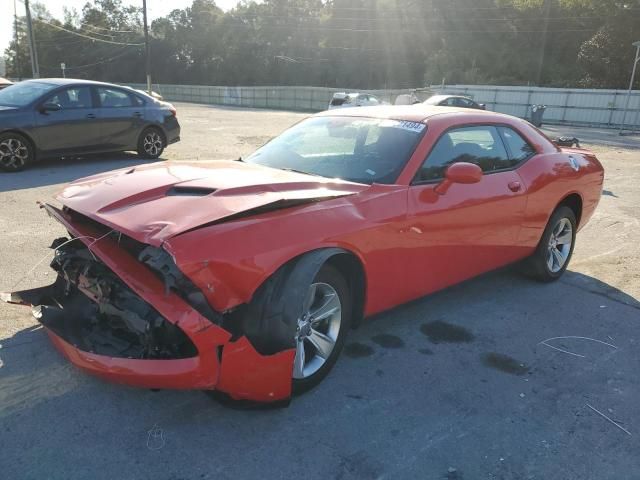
(27, 137)
(351, 268)
(574, 202)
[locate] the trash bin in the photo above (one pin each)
(537, 112)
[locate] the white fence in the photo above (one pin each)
(580, 107)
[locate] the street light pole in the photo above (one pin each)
(146, 46)
(543, 43)
(32, 43)
(633, 77)
(17, 40)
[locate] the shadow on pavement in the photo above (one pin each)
(496, 404)
(55, 171)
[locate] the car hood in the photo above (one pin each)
(152, 203)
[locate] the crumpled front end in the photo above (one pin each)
(123, 311)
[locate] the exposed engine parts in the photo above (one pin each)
(103, 315)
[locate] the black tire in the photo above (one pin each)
(275, 318)
(537, 265)
(16, 152)
(333, 277)
(151, 143)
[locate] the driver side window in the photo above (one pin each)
(480, 145)
(74, 97)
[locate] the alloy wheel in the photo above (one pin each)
(14, 154)
(152, 143)
(559, 247)
(317, 330)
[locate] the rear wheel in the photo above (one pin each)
(552, 256)
(321, 329)
(150, 143)
(16, 152)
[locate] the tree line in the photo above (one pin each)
(342, 43)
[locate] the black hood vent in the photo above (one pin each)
(178, 191)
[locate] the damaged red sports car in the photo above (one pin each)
(245, 276)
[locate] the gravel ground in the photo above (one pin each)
(412, 396)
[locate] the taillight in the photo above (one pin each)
(173, 111)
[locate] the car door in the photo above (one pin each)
(71, 127)
(472, 228)
(121, 118)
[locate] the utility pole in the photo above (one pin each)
(32, 43)
(146, 46)
(543, 46)
(633, 77)
(15, 26)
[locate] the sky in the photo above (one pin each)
(155, 8)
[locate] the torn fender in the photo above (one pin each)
(221, 363)
(245, 374)
(239, 371)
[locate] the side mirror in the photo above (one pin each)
(461, 172)
(50, 107)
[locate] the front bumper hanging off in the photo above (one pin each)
(114, 317)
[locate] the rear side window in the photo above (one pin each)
(519, 149)
(480, 145)
(112, 98)
(137, 101)
(337, 101)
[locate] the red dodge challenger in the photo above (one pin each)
(245, 276)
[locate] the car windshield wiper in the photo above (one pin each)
(303, 172)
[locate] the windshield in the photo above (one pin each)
(23, 93)
(362, 150)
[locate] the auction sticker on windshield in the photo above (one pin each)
(404, 125)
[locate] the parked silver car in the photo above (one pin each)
(346, 100)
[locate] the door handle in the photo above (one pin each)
(91, 115)
(137, 114)
(515, 186)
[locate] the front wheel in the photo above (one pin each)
(321, 329)
(552, 256)
(15, 152)
(150, 143)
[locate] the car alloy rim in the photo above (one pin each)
(13, 153)
(317, 330)
(152, 143)
(559, 245)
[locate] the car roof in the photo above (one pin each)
(69, 81)
(411, 113)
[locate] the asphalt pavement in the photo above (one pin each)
(496, 378)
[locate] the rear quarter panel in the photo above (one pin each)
(549, 178)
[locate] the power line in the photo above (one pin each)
(406, 31)
(107, 29)
(422, 21)
(464, 8)
(87, 36)
(107, 60)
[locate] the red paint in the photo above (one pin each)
(247, 375)
(411, 240)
